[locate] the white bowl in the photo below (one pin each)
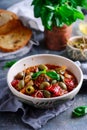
(76, 53)
(44, 59)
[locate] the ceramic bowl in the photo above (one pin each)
(43, 59)
(76, 53)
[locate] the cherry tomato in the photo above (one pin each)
(14, 83)
(55, 89)
(38, 94)
(70, 84)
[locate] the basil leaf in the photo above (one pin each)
(80, 111)
(82, 3)
(78, 14)
(53, 75)
(35, 75)
(46, 17)
(51, 8)
(48, 23)
(9, 64)
(37, 11)
(57, 21)
(37, 2)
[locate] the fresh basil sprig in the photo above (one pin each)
(35, 75)
(80, 111)
(51, 74)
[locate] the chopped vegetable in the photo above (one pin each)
(80, 111)
(30, 89)
(44, 81)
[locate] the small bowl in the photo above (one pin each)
(44, 59)
(74, 51)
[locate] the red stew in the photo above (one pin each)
(45, 81)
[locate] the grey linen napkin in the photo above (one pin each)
(34, 117)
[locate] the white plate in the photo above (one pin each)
(18, 53)
(25, 12)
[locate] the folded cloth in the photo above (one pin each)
(32, 116)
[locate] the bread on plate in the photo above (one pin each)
(13, 34)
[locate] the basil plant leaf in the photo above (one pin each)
(51, 8)
(37, 11)
(53, 75)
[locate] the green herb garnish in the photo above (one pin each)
(51, 74)
(35, 75)
(80, 111)
(9, 64)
